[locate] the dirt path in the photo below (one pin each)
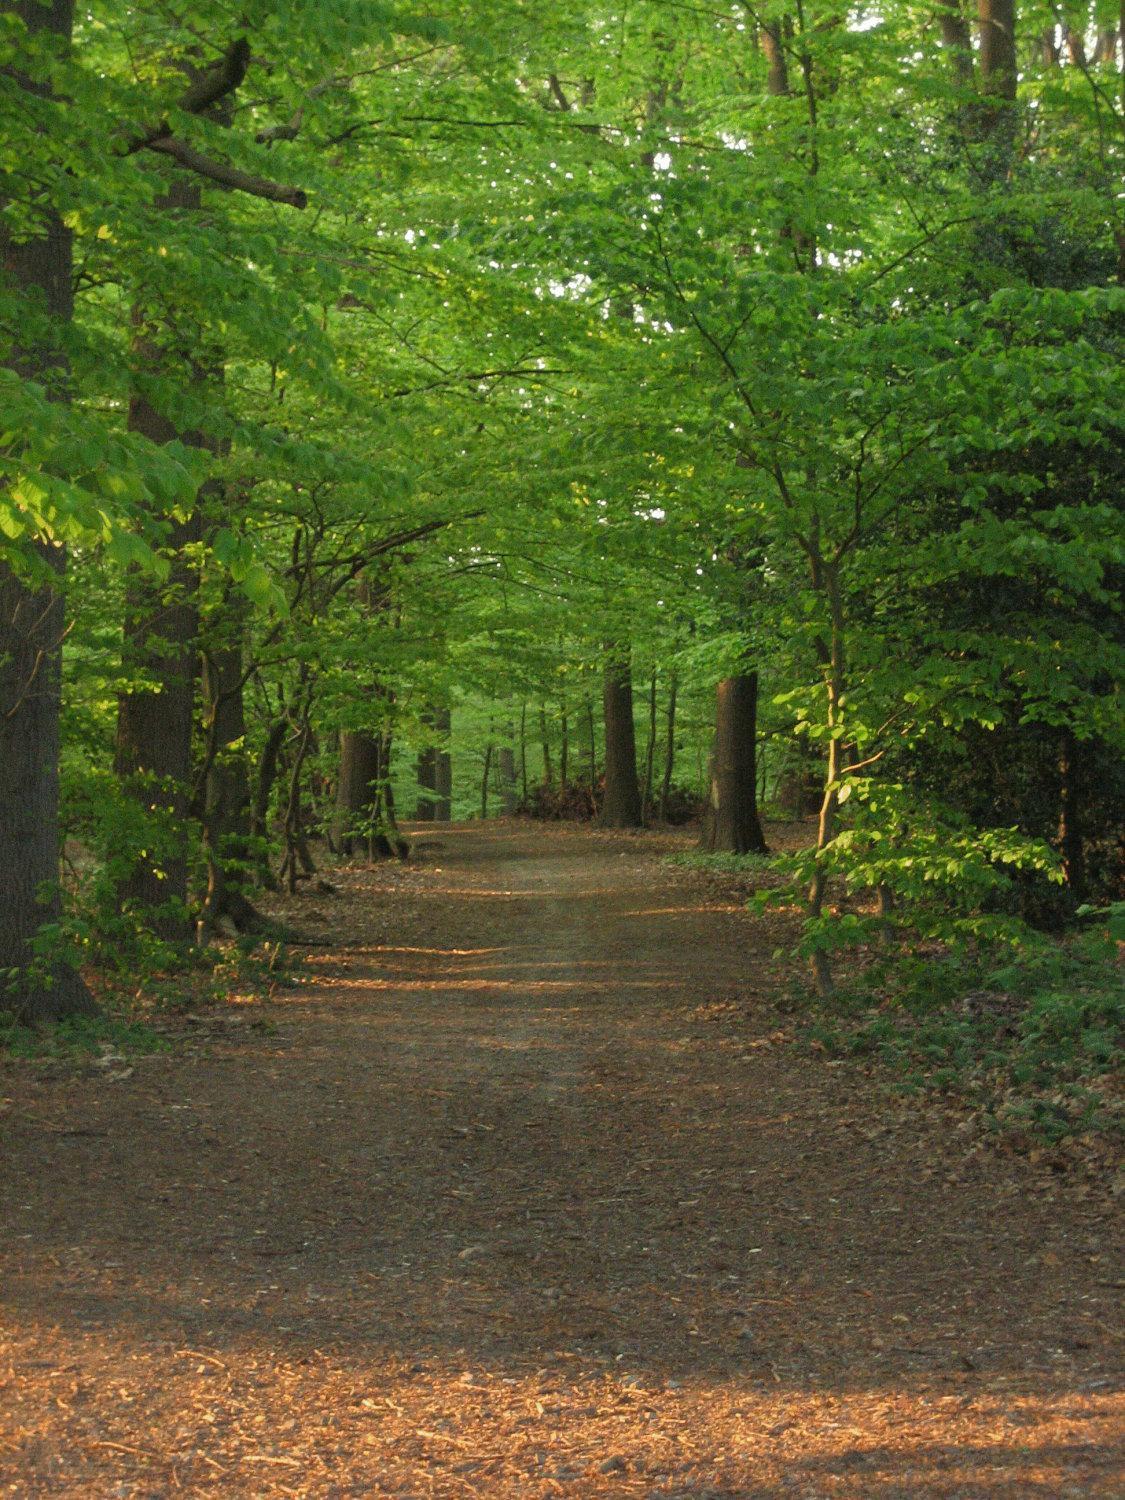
(522, 1196)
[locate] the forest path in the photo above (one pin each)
(525, 1193)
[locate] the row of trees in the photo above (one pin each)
(359, 364)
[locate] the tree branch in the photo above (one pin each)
(226, 175)
(211, 86)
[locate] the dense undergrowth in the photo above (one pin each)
(1031, 1035)
(139, 1020)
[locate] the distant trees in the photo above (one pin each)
(811, 396)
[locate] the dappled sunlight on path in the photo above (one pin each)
(525, 1192)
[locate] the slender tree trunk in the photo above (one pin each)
(621, 806)
(564, 744)
(507, 759)
(650, 751)
(592, 735)
(732, 824)
(669, 750)
(1071, 834)
(548, 773)
(31, 634)
(264, 783)
(443, 808)
(523, 751)
(484, 780)
(835, 679)
(226, 814)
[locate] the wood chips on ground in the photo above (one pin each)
(524, 1191)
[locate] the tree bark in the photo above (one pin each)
(226, 812)
(484, 780)
(548, 773)
(732, 824)
(427, 776)
(363, 796)
(31, 632)
(155, 719)
(621, 806)
(956, 40)
(507, 759)
(650, 751)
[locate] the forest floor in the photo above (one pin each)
(524, 1190)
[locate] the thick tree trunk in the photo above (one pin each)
(998, 67)
(154, 726)
(31, 633)
(621, 806)
(427, 777)
(956, 40)
(732, 824)
(155, 719)
(364, 806)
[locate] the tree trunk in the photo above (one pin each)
(592, 735)
(226, 813)
(523, 752)
(732, 824)
(507, 759)
(484, 780)
(428, 785)
(152, 754)
(956, 40)
(621, 806)
(669, 750)
(443, 808)
(362, 797)
(31, 632)
(827, 579)
(155, 719)
(548, 773)
(263, 786)
(650, 751)
(427, 775)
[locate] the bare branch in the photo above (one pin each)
(226, 175)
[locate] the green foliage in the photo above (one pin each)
(1033, 1040)
(78, 1039)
